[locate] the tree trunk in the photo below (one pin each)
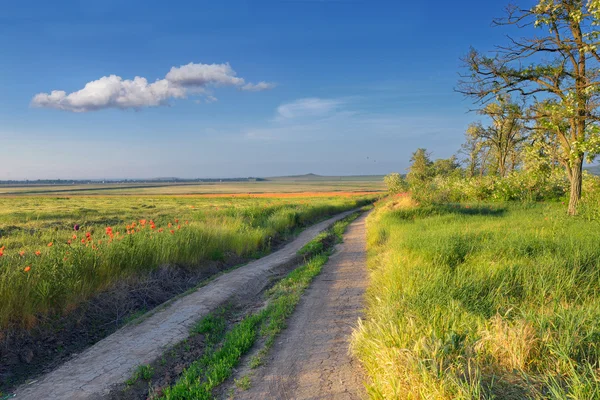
(576, 177)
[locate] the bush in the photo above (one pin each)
(396, 183)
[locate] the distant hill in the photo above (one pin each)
(593, 169)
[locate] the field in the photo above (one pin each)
(299, 184)
(57, 252)
(477, 301)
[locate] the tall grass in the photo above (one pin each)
(46, 266)
(480, 301)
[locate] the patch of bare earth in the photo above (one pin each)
(310, 359)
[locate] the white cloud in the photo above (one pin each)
(258, 87)
(310, 107)
(204, 74)
(111, 92)
(115, 92)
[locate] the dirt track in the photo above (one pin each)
(92, 374)
(310, 359)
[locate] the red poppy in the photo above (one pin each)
(108, 230)
(37, 253)
(82, 240)
(176, 221)
(50, 244)
(74, 236)
(27, 269)
(22, 253)
(172, 232)
(178, 226)
(68, 242)
(160, 230)
(87, 235)
(169, 225)
(143, 222)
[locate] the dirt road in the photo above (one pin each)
(91, 374)
(310, 359)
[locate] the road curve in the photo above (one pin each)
(310, 359)
(91, 374)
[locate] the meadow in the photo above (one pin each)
(58, 252)
(481, 301)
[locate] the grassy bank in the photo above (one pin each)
(57, 252)
(481, 301)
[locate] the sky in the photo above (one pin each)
(195, 89)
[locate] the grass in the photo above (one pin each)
(481, 301)
(143, 372)
(47, 267)
(216, 365)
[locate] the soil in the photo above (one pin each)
(310, 359)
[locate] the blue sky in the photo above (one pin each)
(333, 87)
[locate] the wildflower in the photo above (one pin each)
(108, 230)
(82, 240)
(118, 233)
(99, 242)
(178, 226)
(65, 259)
(160, 230)
(22, 253)
(87, 235)
(187, 222)
(27, 269)
(74, 237)
(76, 227)
(38, 253)
(176, 221)
(50, 244)
(68, 242)
(142, 222)
(172, 232)
(169, 225)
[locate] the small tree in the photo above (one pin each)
(420, 169)
(558, 70)
(396, 183)
(446, 166)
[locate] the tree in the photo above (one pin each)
(503, 136)
(396, 183)
(445, 166)
(557, 72)
(420, 169)
(475, 150)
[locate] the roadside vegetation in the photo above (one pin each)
(485, 266)
(481, 300)
(55, 253)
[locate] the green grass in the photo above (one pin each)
(143, 372)
(216, 365)
(480, 302)
(47, 267)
